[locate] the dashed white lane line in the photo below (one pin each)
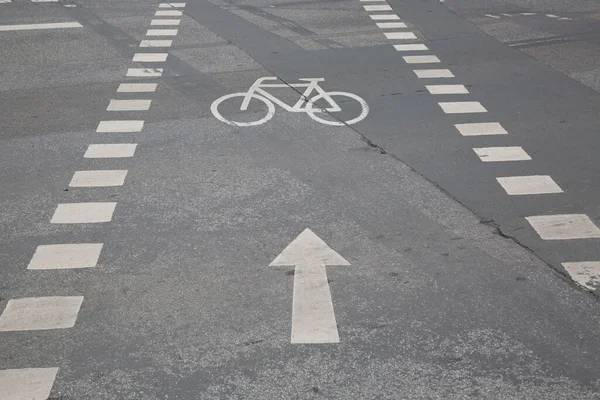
(526, 185)
(40, 313)
(156, 43)
(123, 126)
(129, 105)
(66, 256)
(564, 226)
(167, 22)
(433, 73)
(150, 57)
(447, 89)
(169, 13)
(27, 27)
(462, 107)
(144, 72)
(551, 16)
(498, 154)
(391, 25)
(27, 384)
(410, 47)
(83, 213)
(585, 273)
(377, 8)
(161, 32)
(421, 59)
(113, 150)
(384, 17)
(136, 88)
(400, 35)
(99, 178)
(171, 5)
(481, 129)
(492, 16)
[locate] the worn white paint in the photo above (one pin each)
(136, 88)
(410, 47)
(447, 89)
(433, 73)
(400, 35)
(110, 150)
(585, 273)
(564, 226)
(144, 72)
(165, 22)
(99, 178)
(27, 383)
(83, 213)
(40, 313)
(313, 317)
(421, 59)
(377, 8)
(497, 154)
(531, 184)
(384, 17)
(391, 25)
(129, 105)
(66, 256)
(481, 129)
(27, 27)
(161, 32)
(169, 13)
(156, 43)
(150, 57)
(122, 126)
(171, 5)
(462, 107)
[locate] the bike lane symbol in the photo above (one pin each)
(306, 104)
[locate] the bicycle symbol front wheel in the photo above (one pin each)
(214, 108)
(312, 110)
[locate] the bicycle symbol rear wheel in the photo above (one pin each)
(215, 109)
(312, 110)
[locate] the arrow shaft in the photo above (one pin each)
(313, 318)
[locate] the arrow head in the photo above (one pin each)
(308, 248)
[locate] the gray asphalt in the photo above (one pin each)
(449, 295)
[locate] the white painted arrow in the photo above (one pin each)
(313, 319)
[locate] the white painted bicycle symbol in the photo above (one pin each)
(305, 104)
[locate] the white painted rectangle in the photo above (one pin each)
(171, 5)
(156, 43)
(40, 313)
(400, 35)
(168, 13)
(421, 59)
(99, 178)
(122, 126)
(498, 154)
(391, 25)
(27, 383)
(27, 27)
(165, 22)
(384, 17)
(532, 184)
(447, 89)
(585, 273)
(462, 107)
(372, 1)
(377, 8)
(136, 88)
(116, 150)
(433, 73)
(144, 72)
(481, 129)
(564, 226)
(83, 213)
(410, 47)
(129, 105)
(150, 57)
(66, 256)
(161, 32)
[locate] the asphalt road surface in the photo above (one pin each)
(283, 199)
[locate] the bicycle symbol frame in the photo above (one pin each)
(304, 104)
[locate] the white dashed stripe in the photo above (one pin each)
(150, 57)
(391, 25)
(170, 13)
(171, 5)
(27, 383)
(156, 43)
(161, 32)
(481, 129)
(564, 226)
(421, 59)
(533, 184)
(116, 150)
(462, 107)
(120, 126)
(136, 88)
(585, 273)
(66, 256)
(27, 27)
(497, 154)
(372, 1)
(384, 17)
(40, 313)
(83, 213)
(129, 105)
(400, 35)
(447, 89)
(410, 47)
(99, 178)
(168, 22)
(377, 8)
(144, 72)
(434, 73)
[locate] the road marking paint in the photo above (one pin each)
(170, 5)
(66, 256)
(150, 57)
(40, 313)
(391, 25)
(496, 154)
(377, 8)
(481, 129)
(383, 17)
(421, 59)
(533, 184)
(26, 27)
(506, 15)
(161, 32)
(447, 89)
(27, 383)
(585, 273)
(170, 13)
(170, 22)
(462, 107)
(144, 72)
(123, 126)
(313, 317)
(551, 16)
(99, 178)
(527, 14)
(372, 1)
(128, 105)
(136, 88)
(492, 16)
(83, 213)
(156, 43)
(5, 1)
(410, 47)
(564, 226)
(433, 73)
(400, 35)
(113, 150)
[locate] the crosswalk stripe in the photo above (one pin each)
(462, 107)
(144, 72)
(161, 32)
(150, 57)
(400, 35)
(531, 184)
(447, 89)
(564, 226)
(391, 25)
(40, 313)
(169, 5)
(27, 383)
(83, 213)
(66, 256)
(129, 105)
(99, 178)
(167, 22)
(421, 59)
(481, 129)
(156, 43)
(136, 88)
(433, 73)
(121, 126)
(498, 154)
(169, 13)
(585, 273)
(410, 47)
(110, 150)
(383, 17)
